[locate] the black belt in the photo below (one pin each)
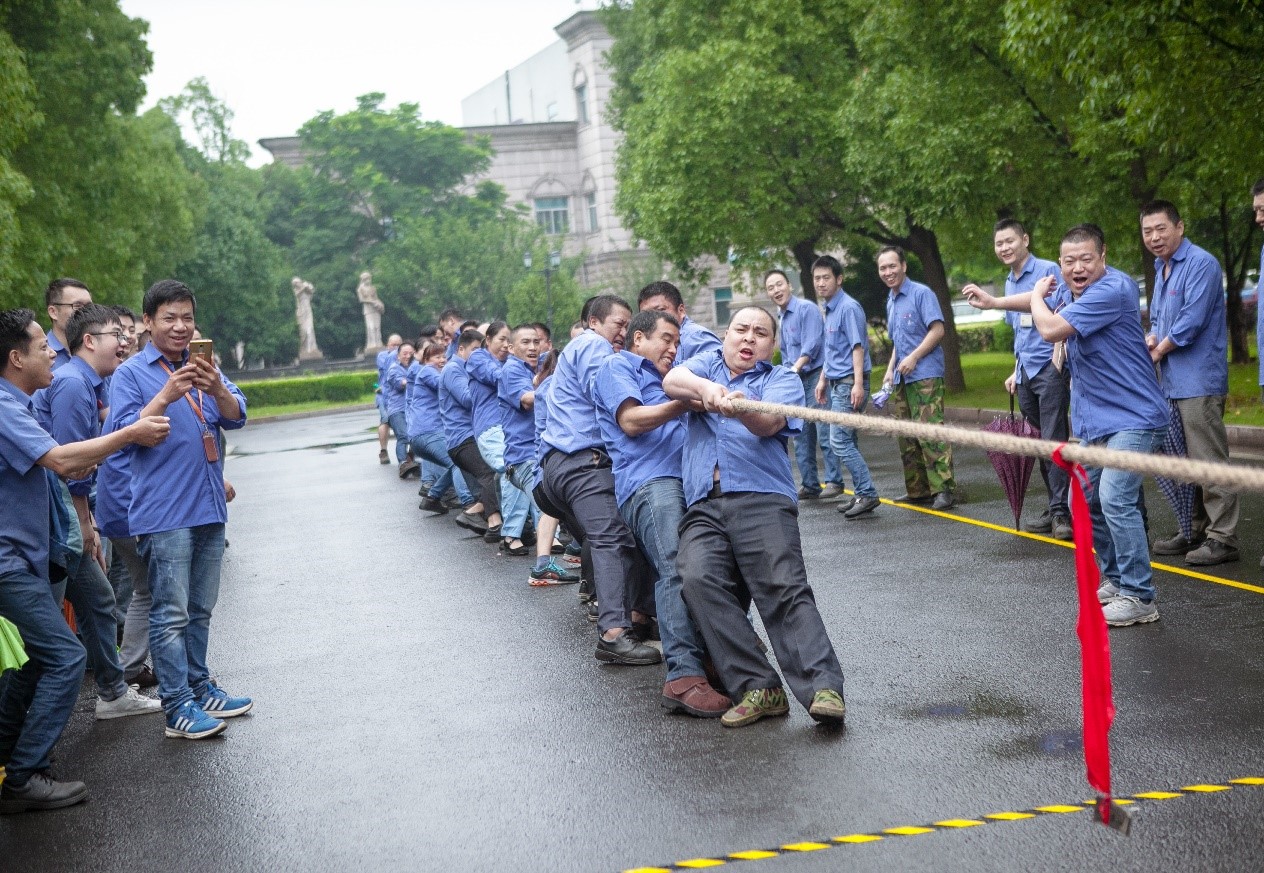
(845, 380)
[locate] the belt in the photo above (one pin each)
(815, 369)
(843, 380)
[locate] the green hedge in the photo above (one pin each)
(996, 336)
(335, 387)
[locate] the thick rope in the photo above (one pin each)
(1179, 469)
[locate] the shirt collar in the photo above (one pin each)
(833, 302)
(152, 354)
(18, 394)
(84, 367)
(1028, 266)
(903, 289)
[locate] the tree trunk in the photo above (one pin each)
(805, 254)
(1236, 261)
(923, 243)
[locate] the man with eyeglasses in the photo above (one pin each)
(1116, 402)
(62, 298)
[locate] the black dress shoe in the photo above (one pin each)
(41, 791)
(471, 522)
(626, 649)
(944, 500)
(492, 535)
(920, 499)
(430, 504)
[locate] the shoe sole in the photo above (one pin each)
(611, 658)
(1145, 619)
(465, 522)
(674, 706)
(229, 713)
(848, 514)
(200, 735)
(754, 717)
(545, 583)
(12, 807)
(443, 510)
(112, 715)
(833, 716)
(1227, 559)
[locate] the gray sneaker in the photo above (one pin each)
(861, 506)
(1126, 610)
(1061, 528)
(831, 490)
(1107, 591)
(131, 703)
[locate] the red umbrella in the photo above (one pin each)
(1014, 471)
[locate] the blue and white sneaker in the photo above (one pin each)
(220, 704)
(191, 723)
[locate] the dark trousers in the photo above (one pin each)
(582, 486)
(470, 460)
(741, 548)
(1044, 399)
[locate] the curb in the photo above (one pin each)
(313, 413)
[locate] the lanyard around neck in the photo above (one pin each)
(197, 407)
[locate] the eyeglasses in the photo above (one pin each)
(123, 338)
(75, 306)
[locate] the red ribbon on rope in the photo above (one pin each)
(1099, 707)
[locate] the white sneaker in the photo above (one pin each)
(131, 703)
(1125, 610)
(1107, 591)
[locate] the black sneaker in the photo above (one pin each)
(861, 506)
(944, 500)
(1061, 528)
(41, 791)
(431, 504)
(492, 535)
(591, 608)
(471, 522)
(1210, 553)
(1041, 524)
(626, 649)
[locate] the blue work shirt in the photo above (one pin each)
(423, 401)
(385, 358)
(452, 347)
(1031, 351)
(484, 373)
(70, 409)
(802, 333)
(747, 462)
(1259, 310)
(394, 388)
(637, 459)
(573, 415)
(845, 328)
(516, 379)
(456, 411)
(694, 339)
(114, 492)
(911, 310)
(541, 410)
(1113, 386)
(174, 486)
(63, 353)
(1188, 307)
(24, 528)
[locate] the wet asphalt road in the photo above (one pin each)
(418, 707)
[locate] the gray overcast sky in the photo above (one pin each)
(276, 63)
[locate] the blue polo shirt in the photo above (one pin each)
(452, 347)
(746, 462)
(802, 333)
(573, 415)
(541, 410)
(71, 410)
(484, 373)
(385, 358)
(1113, 387)
(456, 411)
(654, 455)
(1259, 310)
(423, 402)
(24, 528)
(845, 328)
(1030, 349)
(63, 353)
(516, 379)
(694, 339)
(1188, 307)
(174, 486)
(911, 310)
(114, 491)
(394, 387)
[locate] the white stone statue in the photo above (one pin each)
(373, 309)
(307, 348)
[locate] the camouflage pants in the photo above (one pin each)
(927, 465)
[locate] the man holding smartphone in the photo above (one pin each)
(178, 507)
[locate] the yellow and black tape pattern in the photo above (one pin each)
(951, 824)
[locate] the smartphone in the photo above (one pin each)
(202, 348)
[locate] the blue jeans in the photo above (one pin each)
(37, 700)
(522, 475)
(92, 596)
(654, 512)
(432, 448)
(1119, 536)
(843, 439)
(514, 504)
(399, 424)
(184, 568)
(813, 434)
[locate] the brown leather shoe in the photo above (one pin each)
(694, 695)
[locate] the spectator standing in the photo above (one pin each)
(61, 298)
(666, 297)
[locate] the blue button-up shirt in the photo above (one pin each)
(63, 353)
(394, 387)
(423, 401)
(541, 410)
(1188, 307)
(845, 329)
(694, 340)
(911, 310)
(385, 358)
(636, 459)
(455, 408)
(1259, 310)
(174, 486)
(24, 529)
(1031, 351)
(114, 492)
(484, 373)
(1113, 386)
(802, 333)
(746, 462)
(573, 416)
(70, 409)
(516, 379)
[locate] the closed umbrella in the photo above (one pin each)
(1179, 494)
(12, 653)
(1014, 471)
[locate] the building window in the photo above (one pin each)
(723, 297)
(553, 214)
(591, 199)
(581, 103)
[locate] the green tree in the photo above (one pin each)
(19, 118)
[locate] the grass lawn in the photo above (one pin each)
(310, 406)
(985, 374)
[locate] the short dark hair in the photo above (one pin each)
(586, 309)
(1086, 232)
(450, 312)
(750, 306)
(469, 337)
(1258, 188)
(899, 253)
(123, 312)
(52, 294)
(660, 289)
(544, 329)
(830, 262)
(1167, 207)
(84, 319)
(646, 322)
(166, 291)
(428, 330)
(1009, 224)
(526, 325)
(776, 271)
(14, 324)
(466, 325)
(604, 304)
